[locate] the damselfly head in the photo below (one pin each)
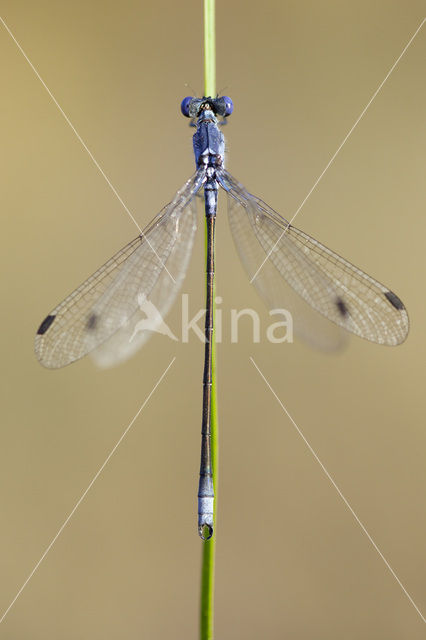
(192, 107)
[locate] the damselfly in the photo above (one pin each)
(288, 268)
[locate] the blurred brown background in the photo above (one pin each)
(291, 560)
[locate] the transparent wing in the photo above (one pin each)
(150, 269)
(306, 323)
(331, 285)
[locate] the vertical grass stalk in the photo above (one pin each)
(209, 49)
(208, 556)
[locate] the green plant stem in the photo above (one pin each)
(208, 557)
(209, 546)
(209, 49)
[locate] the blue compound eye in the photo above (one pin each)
(229, 105)
(184, 106)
